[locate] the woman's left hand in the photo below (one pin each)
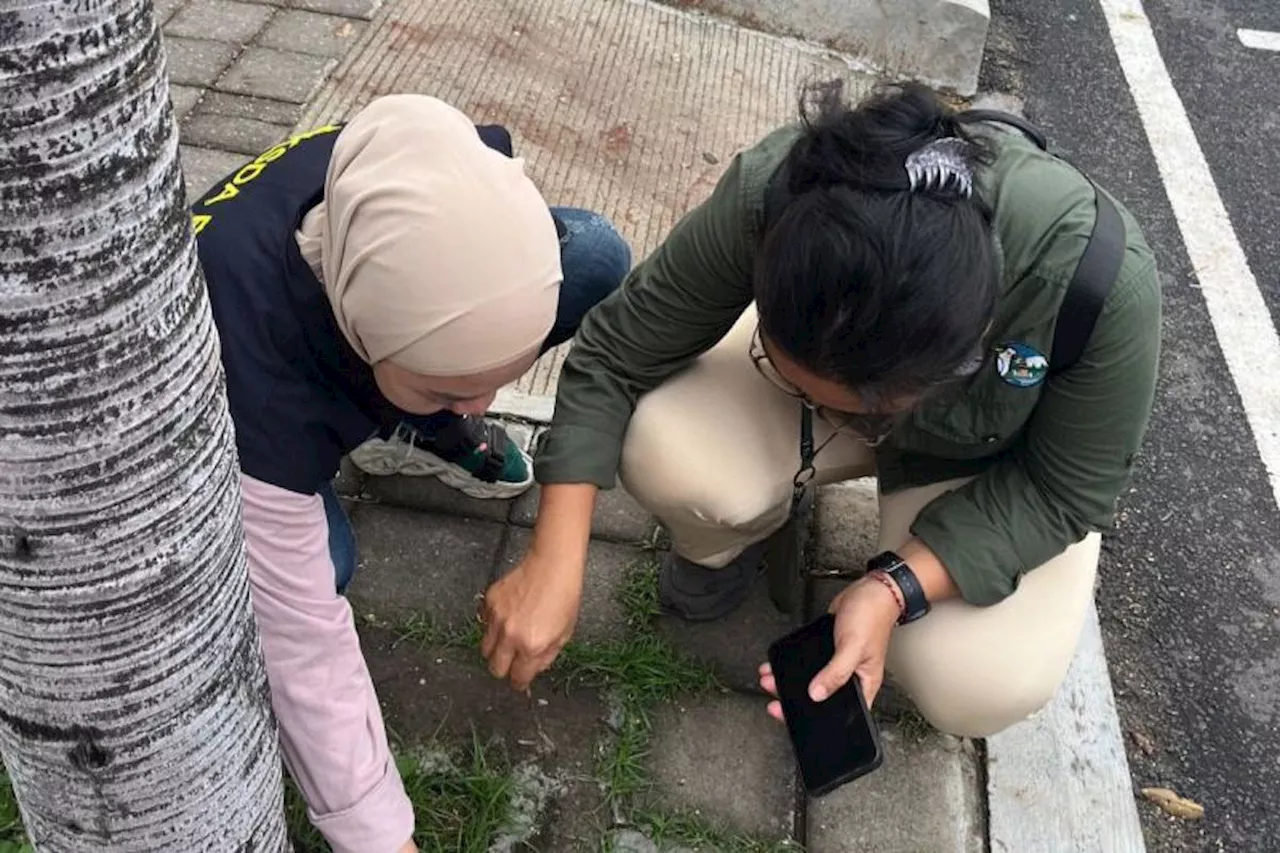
(866, 612)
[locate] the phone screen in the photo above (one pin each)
(835, 740)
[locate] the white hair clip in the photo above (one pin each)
(940, 164)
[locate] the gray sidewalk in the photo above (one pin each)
(650, 734)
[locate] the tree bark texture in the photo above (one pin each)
(134, 710)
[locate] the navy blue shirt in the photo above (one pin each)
(300, 396)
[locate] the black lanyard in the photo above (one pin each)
(803, 477)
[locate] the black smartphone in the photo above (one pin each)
(834, 741)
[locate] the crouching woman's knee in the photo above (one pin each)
(979, 707)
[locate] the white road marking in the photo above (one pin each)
(1259, 39)
(1020, 799)
(1239, 315)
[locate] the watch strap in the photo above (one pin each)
(916, 605)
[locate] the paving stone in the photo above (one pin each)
(164, 9)
(203, 167)
(432, 696)
(728, 761)
(415, 563)
(183, 99)
(279, 74)
(196, 62)
(311, 32)
(925, 796)
(601, 617)
(618, 517)
(848, 524)
(243, 106)
(243, 135)
(735, 646)
(220, 20)
(348, 8)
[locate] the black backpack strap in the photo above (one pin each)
(1098, 266)
(1090, 284)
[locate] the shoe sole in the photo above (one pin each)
(381, 458)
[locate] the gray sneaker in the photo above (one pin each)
(698, 594)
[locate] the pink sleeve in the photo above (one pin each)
(331, 728)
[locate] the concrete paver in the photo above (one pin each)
(197, 62)
(202, 166)
(442, 697)
(848, 522)
(311, 32)
(220, 20)
(183, 99)
(360, 9)
(726, 759)
(735, 646)
(246, 136)
(165, 9)
(924, 797)
(413, 563)
(279, 74)
(244, 106)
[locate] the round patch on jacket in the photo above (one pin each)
(1021, 365)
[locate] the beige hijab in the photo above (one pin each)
(437, 252)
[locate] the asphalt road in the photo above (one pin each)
(1190, 591)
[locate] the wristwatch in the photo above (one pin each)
(915, 604)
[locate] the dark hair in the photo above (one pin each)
(859, 279)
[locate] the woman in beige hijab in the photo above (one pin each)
(373, 286)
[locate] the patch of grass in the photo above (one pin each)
(13, 838)
(642, 667)
(622, 766)
(420, 628)
(638, 595)
(686, 829)
(462, 800)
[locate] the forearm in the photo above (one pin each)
(562, 530)
(929, 571)
(331, 728)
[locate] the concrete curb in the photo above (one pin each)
(939, 42)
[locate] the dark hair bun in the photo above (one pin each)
(866, 148)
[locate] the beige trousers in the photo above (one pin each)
(712, 454)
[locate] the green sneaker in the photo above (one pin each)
(473, 455)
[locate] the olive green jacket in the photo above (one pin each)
(1050, 459)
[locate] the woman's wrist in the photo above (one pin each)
(562, 529)
(929, 571)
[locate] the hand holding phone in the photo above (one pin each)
(835, 741)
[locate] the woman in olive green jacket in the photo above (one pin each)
(902, 281)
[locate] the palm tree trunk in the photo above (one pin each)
(134, 712)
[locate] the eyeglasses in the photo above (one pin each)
(871, 428)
